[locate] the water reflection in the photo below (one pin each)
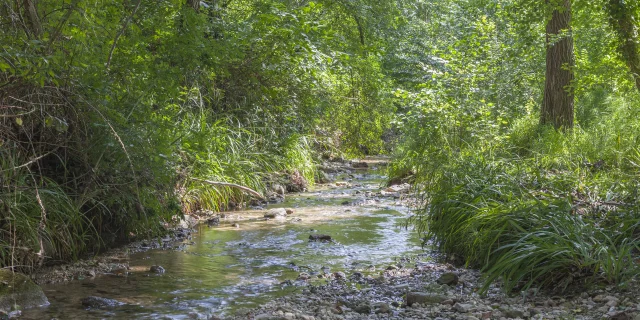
(227, 267)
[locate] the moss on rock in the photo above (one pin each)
(19, 292)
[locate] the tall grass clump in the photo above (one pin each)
(222, 151)
(528, 204)
(541, 207)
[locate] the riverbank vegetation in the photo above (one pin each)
(112, 113)
(516, 122)
(533, 199)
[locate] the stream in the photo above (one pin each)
(228, 267)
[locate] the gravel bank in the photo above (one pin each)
(356, 296)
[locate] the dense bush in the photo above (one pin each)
(110, 112)
(526, 203)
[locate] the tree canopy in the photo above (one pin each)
(113, 113)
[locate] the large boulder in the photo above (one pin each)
(17, 290)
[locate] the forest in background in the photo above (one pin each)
(112, 113)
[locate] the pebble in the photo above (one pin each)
(462, 307)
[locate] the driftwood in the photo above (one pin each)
(231, 185)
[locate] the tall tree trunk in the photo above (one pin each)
(557, 108)
(195, 4)
(622, 21)
(32, 15)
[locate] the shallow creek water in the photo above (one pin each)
(227, 267)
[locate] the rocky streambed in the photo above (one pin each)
(430, 290)
(338, 251)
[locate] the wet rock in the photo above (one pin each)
(213, 221)
(10, 315)
(448, 278)
(382, 308)
(622, 315)
(263, 316)
(235, 225)
(17, 289)
(400, 188)
(513, 313)
(289, 210)
(278, 213)
(275, 198)
(363, 308)
(327, 169)
(120, 272)
(448, 302)
(462, 307)
(424, 298)
(278, 189)
(156, 269)
(320, 237)
(304, 276)
(187, 222)
(345, 203)
(392, 267)
(359, 164)
(356, 276)
(94, 302)
(339, 275)
(297, 182)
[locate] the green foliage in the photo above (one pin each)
(110, 109)
(527, 204)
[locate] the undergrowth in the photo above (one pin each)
(107, 137)
(535, 206)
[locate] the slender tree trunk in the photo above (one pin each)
(557, 107)
(360, 29)
(622, 21)
(32, 15)
(195, 4)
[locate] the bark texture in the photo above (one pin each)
(557, 107)
(31, 13)
(195, 4)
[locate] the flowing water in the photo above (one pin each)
(228, 267)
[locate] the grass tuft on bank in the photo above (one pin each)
(536, 207)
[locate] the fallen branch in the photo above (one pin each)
(231, 185)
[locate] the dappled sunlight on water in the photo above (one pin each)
(229, 267)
